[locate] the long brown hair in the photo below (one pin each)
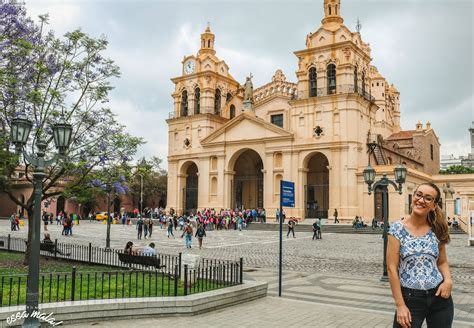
(436, 218)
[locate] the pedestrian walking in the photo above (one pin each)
(315, 230)
(277, 215)
(188, 234)
(169, 231)
(139, 228)
(417, 264)
(291, 227)
(146, 224)
(335, 216)
(150, 227)
(200, 234)
(45, 220)
(13, 222)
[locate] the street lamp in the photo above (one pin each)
(400, 173)
(141, 193)
(19, 133)
(107, 238)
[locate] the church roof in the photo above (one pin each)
(408, 134)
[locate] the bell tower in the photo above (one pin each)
(332, 13)
(207, 42)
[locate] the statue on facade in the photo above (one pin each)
(248, 89)
(448, 191)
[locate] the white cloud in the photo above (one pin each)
(64, 16)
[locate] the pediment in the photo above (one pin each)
(246, 127)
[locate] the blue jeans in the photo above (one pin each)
(187, 238)
(423, 304)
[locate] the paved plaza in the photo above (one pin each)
(333, 282)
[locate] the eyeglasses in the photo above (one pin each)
(427, 198)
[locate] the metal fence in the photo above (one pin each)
(171, 278)
(85, 253)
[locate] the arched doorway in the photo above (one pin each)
(317, 187)
(190, 191)
(247, 189)
(60, 204)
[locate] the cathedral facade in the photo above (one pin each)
(230, 144)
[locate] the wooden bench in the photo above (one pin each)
(48, 247)
(145, 260)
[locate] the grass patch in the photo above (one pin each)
(91, 282)
(12, 263)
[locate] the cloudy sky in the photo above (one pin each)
(424, 47)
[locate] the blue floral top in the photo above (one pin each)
(418, 267)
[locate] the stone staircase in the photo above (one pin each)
(326, 228)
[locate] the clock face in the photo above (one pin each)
(189, 66)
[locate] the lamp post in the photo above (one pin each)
(141, 193)
(107, 238)
(19, 133)
(400, 173)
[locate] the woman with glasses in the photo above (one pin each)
(418, 266)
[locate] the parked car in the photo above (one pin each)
(101, 216)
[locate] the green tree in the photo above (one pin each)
(457, 169)
(155, 180)
(45, 76)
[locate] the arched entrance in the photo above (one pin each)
(60, 204)
(190, 191)
(317, 187)
(247, 189)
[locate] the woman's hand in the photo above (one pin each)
(444, 290)
(403, 316)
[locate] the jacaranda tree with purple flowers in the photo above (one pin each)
(44, 76)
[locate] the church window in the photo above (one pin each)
(217, 102)
(278, 179)
(213, 185)
(232, 111)
(377, 84)
(228, 97)
(336, 9)
(431, 152)
(277, 120)
(312, 82)
(331, 73)
(356, 86)
(383, 95)
(197, 101)
(184, 103)
(208, 43)
(329, 10)
(213, 163)
(363, 83)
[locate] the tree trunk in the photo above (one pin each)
(30, 212)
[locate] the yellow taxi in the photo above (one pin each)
(101, 216)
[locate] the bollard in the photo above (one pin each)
(73, 283)
(241, 270)
(185, 279)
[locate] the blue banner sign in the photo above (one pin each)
(287, 193)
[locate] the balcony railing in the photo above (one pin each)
(342, 89)
(203, 110)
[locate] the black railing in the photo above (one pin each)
(342, 89)
(85, 253)
(168, 279)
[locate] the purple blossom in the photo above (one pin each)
(96, 183)
(119, 189)
(122, 178)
